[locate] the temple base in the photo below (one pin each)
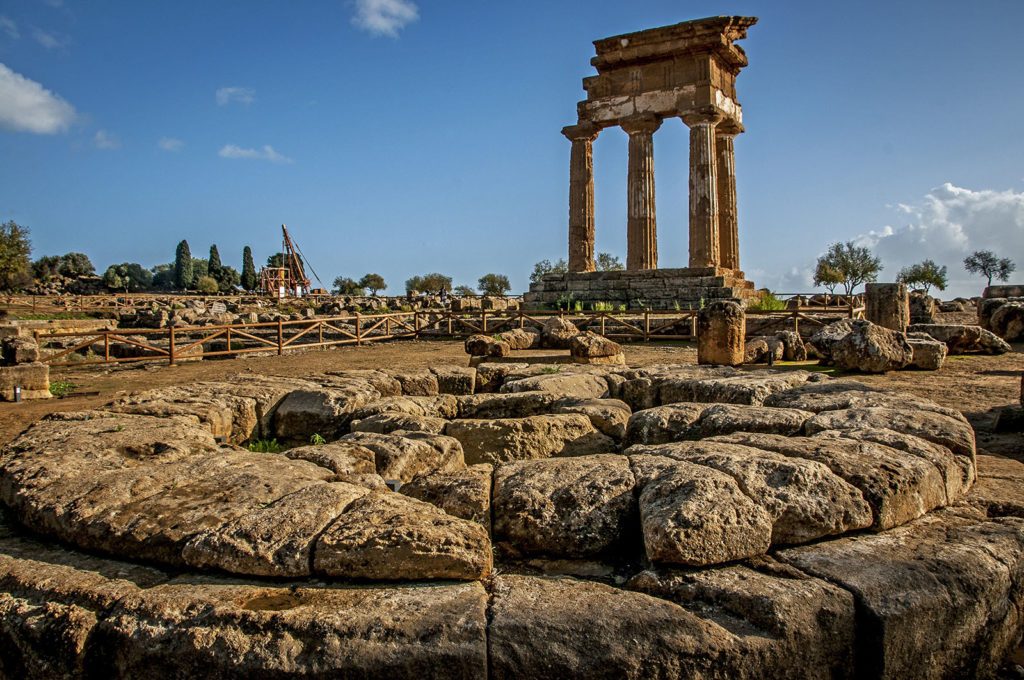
(643, 289)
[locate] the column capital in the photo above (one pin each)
(581, 131)
(728, 128)
(645, 122)
(701, 118)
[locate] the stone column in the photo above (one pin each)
(728, 226)
(581, 196)
(704, 241)
(721, 327)
(641, 225)
(887, 305)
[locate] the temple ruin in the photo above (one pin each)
(686, 71)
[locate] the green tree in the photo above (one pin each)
(923, 276)
(606, 262)
(343, 285)
(493, 284)
(276, 260)
(213, 265)
(825, 276)
(854, 265)
(229, 279)
(76, 264)
(248, 279)
(206, 284)
(15, 248)
(163, 276)
(545, 267)
(184, 276)
(200, 268)
(428, 283)
(128, 275)
(464, 290)
(373, 282)
(46, 267)
(986, 263)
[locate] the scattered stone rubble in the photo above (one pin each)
(666, 521)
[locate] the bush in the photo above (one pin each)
(767, 303)
(207, 284)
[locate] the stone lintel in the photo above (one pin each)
(671, 103)
(713, 34)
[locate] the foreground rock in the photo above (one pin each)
(961, 339)
(501, 440)
(859, 345)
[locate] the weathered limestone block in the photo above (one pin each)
(696, 515)
(1007, 321)
(326, 412)
(999, 491)
(391, 537)
(727, 418)
(803, 498)
(833, 395)
(385, 423)
(455, 379)
(340, 457)
(402, 456)
(721, 327)
(897, 486)
(463, 493)
(954, 434)
(490, 375)
(506, 404)
(869, 348)
(501, 440)
(379, 380)
(33, 379)
(558, 333)
(417, 383)
(761, 348)
(565, 507)
(928, 353)
(591, 348)
(274, 540)
(563, 384)
(486, 346)
(940, 597)
(19, 350)
(610, 416)
(661, 424)
(751, 387)
(225, 415)
(887, 305)
(522, 338)
(961, 338)
(922, 308)
(441, 406)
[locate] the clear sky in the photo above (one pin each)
(410, 136)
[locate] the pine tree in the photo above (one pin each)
(248, 270)
(183, 273)
(214, 266)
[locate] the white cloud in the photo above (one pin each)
(384, 17)
(242, 95)
(8, 26)
(266, 154)
(26, 106)
(48, 40)
(106, 141)
(169, 144)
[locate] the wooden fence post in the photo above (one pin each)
(171, 345)
(359, 333)
(106, 346)
(647, 325)
(280, 337)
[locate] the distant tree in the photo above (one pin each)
(213, 264)
(163, 276)
(276, 260)
(464, 290)
(343, 285)
(827, 277)
(852, 264)
(373, 282)
(76, 264)
(493, 284)
(200, 268)
(184, 276)
(248, 279)
(229, 279)
(986, 263)
(206, 284)
(428, 283)
(545, 267)
(15, 248)
(129, 276)
(606, 262)
(46, 267)
(923, 276)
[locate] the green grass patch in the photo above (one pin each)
(59, 388)
(265, 446)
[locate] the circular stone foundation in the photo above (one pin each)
(550, 521)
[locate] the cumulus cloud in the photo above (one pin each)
(267, 153)
(26, 106)
(948, 225)
(8, 27)
(106, 141)
(169, 144)
(48, 40)
(384, 17)
(242, 95)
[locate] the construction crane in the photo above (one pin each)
(289, 278)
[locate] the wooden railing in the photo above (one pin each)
(76, 348)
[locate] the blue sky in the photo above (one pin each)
(408, 136)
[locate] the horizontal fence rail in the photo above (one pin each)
(76, 348)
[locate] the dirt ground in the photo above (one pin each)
(978, 385)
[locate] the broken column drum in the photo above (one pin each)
(686, 71)
(887, 305)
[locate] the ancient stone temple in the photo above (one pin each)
(644, 80)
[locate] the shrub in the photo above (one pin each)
(207, 284)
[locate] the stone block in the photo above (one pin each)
(33, 379)
(720, 334)
(887, 305)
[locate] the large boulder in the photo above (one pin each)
(1007, 321)
(522, 338)
(19, 349)
(864, 347)
(501, 440)
(591, 348)
(486, 346)
(763, 349)
(326, 412)
(558, 333)
(403, 457)
(929, 353)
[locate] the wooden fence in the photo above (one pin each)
(200, 342)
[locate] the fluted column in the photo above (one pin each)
(704, 242)
(581, 196)
(728, 224)
(641, 225)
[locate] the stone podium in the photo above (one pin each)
(686, 71)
